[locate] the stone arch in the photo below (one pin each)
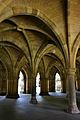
(21, 10)
(48, 50)
(5, 58)
(15, 45)
(52, 72)
(57, 66)
(22, 65)
(75, 48)
(24, 79)
(61, 70)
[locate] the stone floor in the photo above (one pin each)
(51, 107)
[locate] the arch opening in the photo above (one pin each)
(21, 83)
(38, 84)
(58, 85)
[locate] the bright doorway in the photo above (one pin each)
(21, 83)
(38, 84)
(58, 85)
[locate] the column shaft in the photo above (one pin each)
(44, 87)
(33, 92)
(29, 86)
(51, 85)
(72, 106)
(24, 86)
(64, 85)
(12, 91)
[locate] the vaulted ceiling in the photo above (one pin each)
(39, 33)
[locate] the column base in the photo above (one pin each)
(12, 96)
(24, 92)
(51, 90)
(44, 93)
(33, 100)
(28, 92)
(73, 109)
(63, 92)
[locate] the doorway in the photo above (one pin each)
(21, 83)
(58, 85)
(38, 84)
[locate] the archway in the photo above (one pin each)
(21, 83)
(58, 86)
(38, 84)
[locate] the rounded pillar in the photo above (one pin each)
(12, 89)
(44, 87)
(71, 92)
(33, 92)
(29, 91)
(63, 84)
(24, 86)
(51, 85)
(12, 86)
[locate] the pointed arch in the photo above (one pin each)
(75, 48)
(23, 10)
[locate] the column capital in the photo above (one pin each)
(71, 70)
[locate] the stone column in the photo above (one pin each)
(12, 86)
(12, 89)
(24, 86)
(63, 84)
(44, 87)
(29, 91)
(72, 105)
(33, 92)
(51, 85)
